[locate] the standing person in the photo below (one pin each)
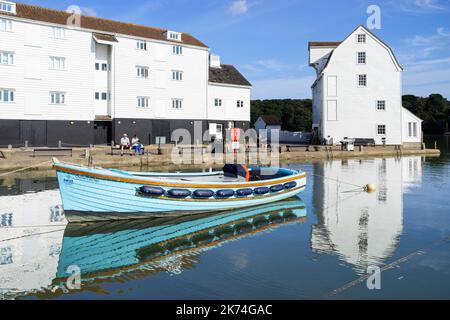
(124, 143)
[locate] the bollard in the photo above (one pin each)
(435, 145)
(9, 147)
(26, 143)
(361, 148)
(59, 144)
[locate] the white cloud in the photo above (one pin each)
(238, 7)
(89, 11)
(429, 4)
(420, 6)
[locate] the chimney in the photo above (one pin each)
(214, 61)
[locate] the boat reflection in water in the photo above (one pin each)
(362, 229)
(37, 259)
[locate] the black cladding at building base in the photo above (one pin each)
(40, 133)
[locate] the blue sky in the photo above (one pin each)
(267, 39)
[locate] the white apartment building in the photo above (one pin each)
(91, 81)
(358, 92)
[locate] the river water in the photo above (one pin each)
(331, 243)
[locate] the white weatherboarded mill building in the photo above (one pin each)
(358, 92)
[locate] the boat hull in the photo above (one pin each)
(90, 190)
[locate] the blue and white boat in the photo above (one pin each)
(100, 191)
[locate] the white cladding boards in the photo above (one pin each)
(332, 112)
(332, 86)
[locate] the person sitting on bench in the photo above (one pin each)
(124, 144)
(136, 145)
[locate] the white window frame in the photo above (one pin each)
(141, 45)
(5, 25)
(359, 81)
(57, 98)
(58, 33)
(361, 38)
(239, 103)
(142, 102)
(415, 133)
(177, 103)
(380, 105)
(361, 57)
(8, 57)
(142, 72)
(57, 63)
(175, 36)
(177, 75)
(381, 126)
(6, 6)
(9, 93)
(218, 102)
(177, 50)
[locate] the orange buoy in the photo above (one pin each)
(370, 188)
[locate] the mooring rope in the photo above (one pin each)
(24, 169)
(32, 235)
(391, 265)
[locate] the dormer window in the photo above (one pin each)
(174, 36)
(6, 6)
(141, 45)
(361, 38)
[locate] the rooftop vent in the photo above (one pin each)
(214, 61)
(174, 36)
(6, 6)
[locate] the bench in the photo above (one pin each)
(61, 152)
(115, 148)
(364, 142)
(293, 147)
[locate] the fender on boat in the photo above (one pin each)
(203, 193)
(179, 193)
(227, 193)
(261, 190)
(290, 185)
(244, 192)
(152, 191)
(276, 188)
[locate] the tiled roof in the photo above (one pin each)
(271, 120)
(227, 74)
(324, 43)
(93, 23)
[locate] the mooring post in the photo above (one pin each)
(26, 143)
(9, 147)
(59, 144)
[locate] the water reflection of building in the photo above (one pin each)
(31, 232)
(37, 247)
(363, 229)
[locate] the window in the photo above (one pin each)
(104, 67)
(6, 58)
(177, 75)
(362, 80)
(6, 219)
(361, 38)
(58, 33)
(57, 63)
(173, 36)
(97, 96)
(381, 105)
(141, 45)
(7, 95)
(7, 7)
(178, 50)
(361, 58)
(381, 129)
(5, 25)
(57, 97)
(217, 102)
(177, 103)
(414, 129)
(240, 104)
(142, 102)
(104, 96)
(6, 256)
(142, 72)
(97, 66)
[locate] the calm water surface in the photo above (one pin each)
(305, 248)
